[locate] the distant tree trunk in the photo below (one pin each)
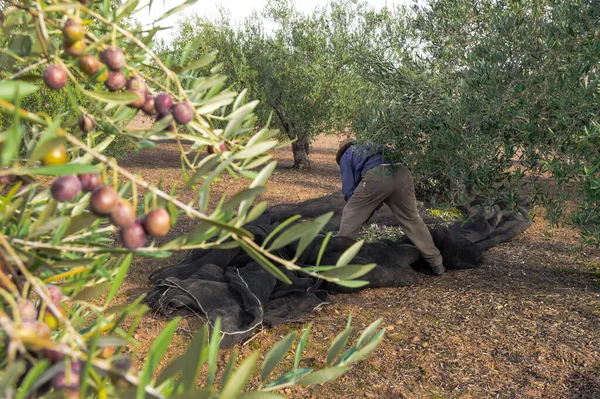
(301, 146)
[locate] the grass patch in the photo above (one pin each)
(374, 232)
(447, 214)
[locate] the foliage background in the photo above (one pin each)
(60, 265)
(492, 99)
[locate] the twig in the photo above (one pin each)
(29, 68)
(43, 245)
(254, 336)
(87, 250)
(110, 228)
(41, 29)
(14, 289)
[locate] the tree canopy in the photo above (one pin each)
(301, 67)
(478, 97)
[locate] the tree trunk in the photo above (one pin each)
(300, 148)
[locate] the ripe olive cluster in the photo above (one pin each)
(36, 325)
(34, 322)
(108, 69)
(105, 202)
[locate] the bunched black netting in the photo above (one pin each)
(227, 283)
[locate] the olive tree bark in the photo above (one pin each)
(300, 147)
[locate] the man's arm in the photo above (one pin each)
(348, 175)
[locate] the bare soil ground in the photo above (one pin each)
(524, 325)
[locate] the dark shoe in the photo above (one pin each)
(438, 270)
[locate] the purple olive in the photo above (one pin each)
(114, 58)
(103, 200)
(53, 355)
(90, 181)
(55, 77)
(7, 179)
(157, 222)
(55, 294)
(60, 380)
(123, 214)
(86, 124)
(66, 188)
(133, 236)
(163, 103)
(27, 310)
(148, 106)
(89, 64)
(141, 98)
(115, 81)
(137, 83)
(182, 113)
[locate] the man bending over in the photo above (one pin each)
(367, 182)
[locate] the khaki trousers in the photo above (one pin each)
(393, 185)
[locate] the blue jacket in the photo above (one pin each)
(356, 161)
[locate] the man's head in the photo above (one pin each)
(344, 145)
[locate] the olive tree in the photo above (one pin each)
(492, 97)
(301, 67)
